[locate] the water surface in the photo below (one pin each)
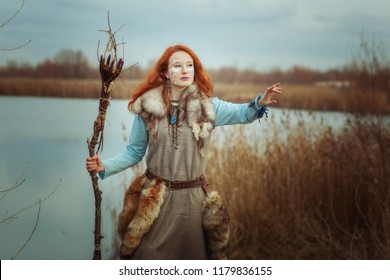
(44, 141)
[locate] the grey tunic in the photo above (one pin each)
(177, 233)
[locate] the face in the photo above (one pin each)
(181, 69)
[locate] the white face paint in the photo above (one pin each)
(181, 70)
(178, 67)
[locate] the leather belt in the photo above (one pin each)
(196, 183)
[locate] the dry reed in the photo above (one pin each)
(64, 88)
(312, 97)
(308, 97)
(305, 196)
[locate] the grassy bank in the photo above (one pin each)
(323, 197)
(64, 88)
(308, 97)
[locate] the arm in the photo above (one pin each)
(133, 153)
(230, 113)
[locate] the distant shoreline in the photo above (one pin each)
(306, 97)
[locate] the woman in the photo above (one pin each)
(169, 212)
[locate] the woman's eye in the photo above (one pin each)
(177, 66)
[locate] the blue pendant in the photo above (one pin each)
(172, 120)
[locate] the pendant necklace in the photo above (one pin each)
(172, 120)
(173, 112)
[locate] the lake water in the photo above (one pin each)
(47, 138)
(44, 141)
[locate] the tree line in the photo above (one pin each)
(368, 68)
(73, 64)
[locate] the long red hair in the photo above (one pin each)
(157, 77)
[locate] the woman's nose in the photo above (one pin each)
(184, 69)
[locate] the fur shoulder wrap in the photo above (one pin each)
(194, 106)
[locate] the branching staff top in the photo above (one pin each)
(227, 113)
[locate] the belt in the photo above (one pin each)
(198, 182)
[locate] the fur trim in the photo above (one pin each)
(151, 103)
(147, 211)
(216, 226)
(208, 108)
(142, 206)
(195, 107)
(130, 204)
(200, 115)
(151, 107)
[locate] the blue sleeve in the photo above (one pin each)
(231, 113)
(133, 153)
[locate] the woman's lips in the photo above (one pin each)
(184, 78)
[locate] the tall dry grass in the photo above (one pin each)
(325, 196)
(308, 97)
(64, 88)
(312, 97)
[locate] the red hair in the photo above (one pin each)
(157, 77)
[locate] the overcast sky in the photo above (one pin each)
(260, 34)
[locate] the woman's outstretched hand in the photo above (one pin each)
(266, 99)
(94, 164)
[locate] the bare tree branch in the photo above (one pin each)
(17, 184)
(13, 16)
(16, 48)
(7, 21)
(8, 218)
(32, 232)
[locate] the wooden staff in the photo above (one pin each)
(110, 68)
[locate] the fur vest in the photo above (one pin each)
(194, 106)
(142, 203)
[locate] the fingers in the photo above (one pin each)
(275, 85)
(112, 64)
(101, 63)
(274, 89)
(91, 164)
(94, 164)
(110, 68)
(108, 60)
(266, 99)
(119, 65)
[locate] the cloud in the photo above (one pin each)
(242, 32)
